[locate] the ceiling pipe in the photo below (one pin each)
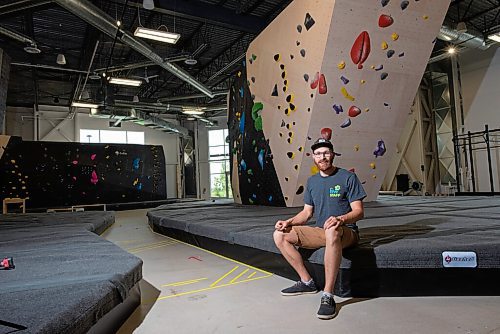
(142, 118)
(164, 108)
(189, 97)
(102, 21)
(21, 5)
(17, 36)
(48, 67)
(464, 39)
(132, 66)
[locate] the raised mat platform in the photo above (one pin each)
(66, 279)
(400, 252)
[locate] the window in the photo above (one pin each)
(111, 137)
(218, 151)
(89, 136)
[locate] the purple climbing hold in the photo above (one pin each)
(380, 149)
(338, 108)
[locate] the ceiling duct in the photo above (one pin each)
(102, 21)
(462, 38)
(24, 39)
(141, 118)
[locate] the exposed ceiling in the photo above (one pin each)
(215, 33)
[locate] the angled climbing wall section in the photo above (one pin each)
(349, 68)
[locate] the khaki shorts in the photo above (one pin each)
(312, 237)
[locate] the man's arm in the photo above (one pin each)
(357, 213)
(299, 219)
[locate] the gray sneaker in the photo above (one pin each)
(300, 288)
(327, 308)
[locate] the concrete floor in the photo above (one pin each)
(186, 289)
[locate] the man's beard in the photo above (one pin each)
(324, 165)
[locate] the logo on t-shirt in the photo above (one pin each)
(335, 192)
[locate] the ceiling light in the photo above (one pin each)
(148, 4)
(118, 23)
(157, 35)
(495, 37)
(94, 76)
(85, 105)
(190, 61)
(190, 119)
(61, 60)
(192, 111)
(125, 82)
(461, 27)
(451, 50)
(32, 49)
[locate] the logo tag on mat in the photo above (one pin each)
(460, 259)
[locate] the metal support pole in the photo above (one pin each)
(487, 139)
(473, 176)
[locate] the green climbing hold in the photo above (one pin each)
(258, 123)
(257, 106)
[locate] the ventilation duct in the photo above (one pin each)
(102, 21)
(463, 39)
(21, 38)
(141, 118)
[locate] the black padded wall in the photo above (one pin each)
(257, 180)
(53, 174)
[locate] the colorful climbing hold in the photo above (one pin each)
(354, 111)
(360, 49)
(346, 123)
(338, 108)
(384, 45)
(385, 21)
(341, 65)
(380, 149)
(394, 36)
(346, 94)
(344, 80)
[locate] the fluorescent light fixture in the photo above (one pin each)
(85, 105)
(157, 35)
(125, 82)
(192, 111)
(495, 37)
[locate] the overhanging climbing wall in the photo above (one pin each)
(350, 66)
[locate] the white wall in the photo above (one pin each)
(480, 74)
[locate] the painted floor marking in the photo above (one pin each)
(186, 282)
(218, 282)
(150, 246)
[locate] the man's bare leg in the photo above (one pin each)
(333, 257)
(286, 244)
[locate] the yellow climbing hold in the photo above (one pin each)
(346, 94)
(356, 148)
(363, 81)
(372, 165)
(394, 36)
(425, 17)
(367, 109)
(314, 170)
(341, 65)
(384, 45)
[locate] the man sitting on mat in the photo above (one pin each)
(335, 196)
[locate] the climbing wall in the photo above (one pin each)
(56, 174)
(253, 176)
(349, 68)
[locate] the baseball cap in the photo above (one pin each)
(321, 142)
